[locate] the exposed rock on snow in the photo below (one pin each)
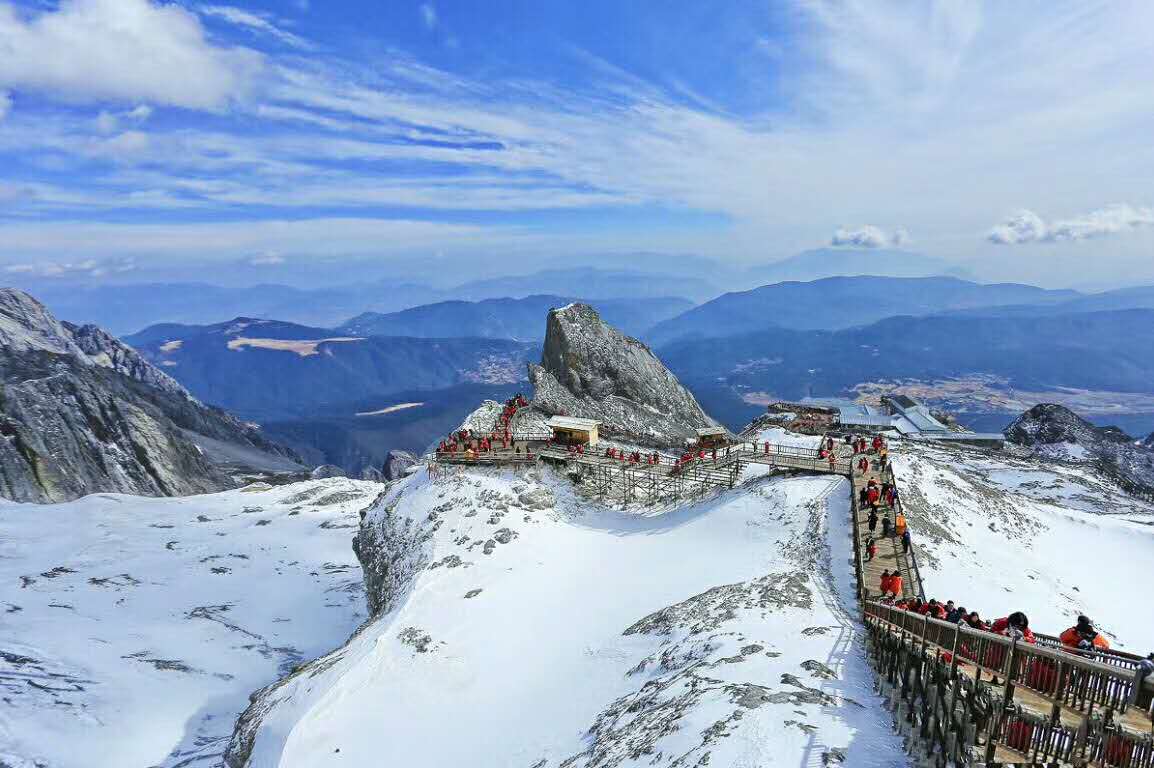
(136, 628)
(592, 370)
(999, 533)
(83, 413)
(1056, 432)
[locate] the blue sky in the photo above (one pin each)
(1009, 137)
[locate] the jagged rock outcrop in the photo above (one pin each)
(373, 475)
(82, 413)
(592, 370)
(1055, 431)
(326, 471)
(397, 463)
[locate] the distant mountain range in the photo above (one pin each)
(269, 370)
(521, 319)
(590, 283)
(834, 262)
(126, 309)
(1111, 351)
(842, 302)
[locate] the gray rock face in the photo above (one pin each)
(592, 370)
(1055, 431)
(372, 474)
(396, 462)
(326, 471)
(81, 413)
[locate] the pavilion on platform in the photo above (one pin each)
(712, 437)
(570, 430)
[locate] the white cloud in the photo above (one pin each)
(258, 23)
(428, 15)
(267, 259)
(61, 269)
(121, 50)
(109, 122)
(5, 104)
(869, 236)
(1028, 227)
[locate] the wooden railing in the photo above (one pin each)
(1092, 717)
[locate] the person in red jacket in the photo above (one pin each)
(896, 584)
(1014, 625)
(1083, 635)
(885, 582)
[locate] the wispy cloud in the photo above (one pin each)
(267, 259)
(5, 104)
(428, 15)
(1028, 227)
(262, 24)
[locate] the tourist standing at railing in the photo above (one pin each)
(884, 582)
(1145, 673)
(1083, 636)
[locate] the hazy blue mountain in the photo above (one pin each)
(123, 309)
(841, 302)
(623, 283)
(508, 318)
(1101, 351)
(832, 262)
(1140, 297)
(266, 370)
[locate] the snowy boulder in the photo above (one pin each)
(326, 471)
(591, 370)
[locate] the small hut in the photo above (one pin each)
(712, 437)
(570, 430)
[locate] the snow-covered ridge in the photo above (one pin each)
(709, 632)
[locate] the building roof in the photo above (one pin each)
(572, 422)
(708, 431)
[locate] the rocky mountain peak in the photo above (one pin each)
(27, 325)
(1056, 432)
(1050, 423)
(592, 370)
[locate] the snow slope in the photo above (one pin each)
(539, 630)
(998, 533)
(134, 629)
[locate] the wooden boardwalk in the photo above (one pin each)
(1038, 716)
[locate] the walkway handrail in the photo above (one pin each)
(1053, 673)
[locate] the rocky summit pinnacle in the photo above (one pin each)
(592, 370)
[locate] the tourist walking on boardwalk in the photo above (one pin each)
(871, 548)
(873, 521)
(906, 542)
(885, 582)
(900, 525)
(874, 496)
(896, 584)
(887, 527)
